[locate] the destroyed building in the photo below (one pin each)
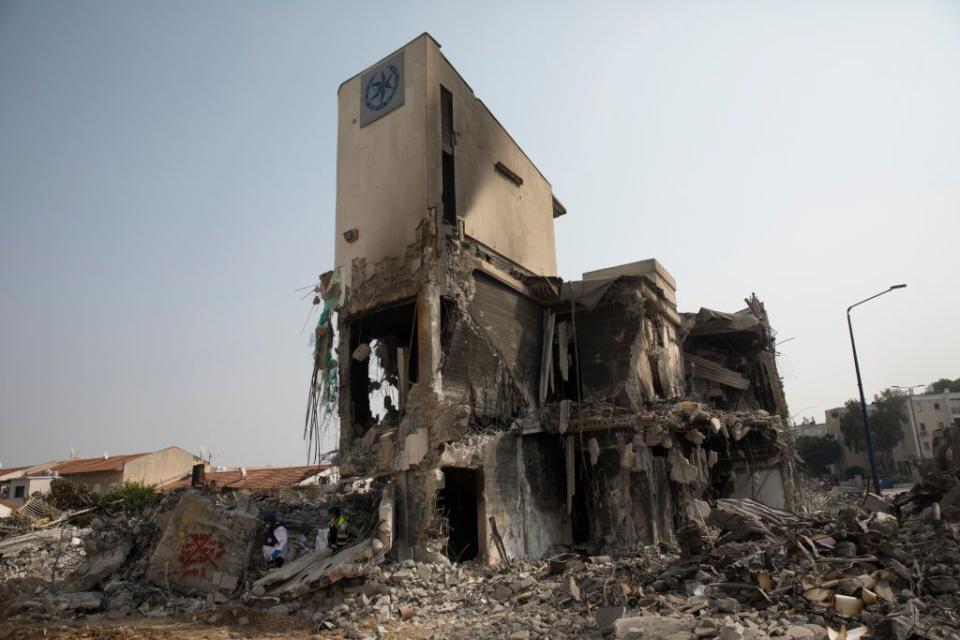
(510, 410)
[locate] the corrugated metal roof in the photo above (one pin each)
(262, 478)
(92, 465)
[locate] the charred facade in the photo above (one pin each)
(513, 411)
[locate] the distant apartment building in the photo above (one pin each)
(104, 473)
(932, 414)
(98, 474)
(19, 483)
(812, 429)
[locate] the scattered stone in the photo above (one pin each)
(502, 593)
(727, 605)
(706, 629)
(570, 588)
(79, 601)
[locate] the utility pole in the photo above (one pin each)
(913, 420)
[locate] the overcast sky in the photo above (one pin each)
(167, 177)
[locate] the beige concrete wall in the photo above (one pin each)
(763, 485)
(389, 172)
(933, 414)
(99, 481)
(905, 451)
(31, 486)
(160, 467)
(515, 221)
(381, 179)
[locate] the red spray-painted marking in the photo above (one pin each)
(198, 553)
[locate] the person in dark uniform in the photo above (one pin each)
(339, 532)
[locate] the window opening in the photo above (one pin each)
(380, 344)
(449, 186)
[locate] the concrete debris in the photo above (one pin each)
(784, 579)
(42, 554)
(81, 601)
(103, 558)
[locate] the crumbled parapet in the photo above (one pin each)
(202, 548)
(730, 359)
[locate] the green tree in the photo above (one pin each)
(886, 423)
(819, 452)
(944, 385)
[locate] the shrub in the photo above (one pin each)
(133, 497)
(67, 495)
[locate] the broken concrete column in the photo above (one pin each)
(202, 548)
(428, 337)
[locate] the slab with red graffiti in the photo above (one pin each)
(198, 553)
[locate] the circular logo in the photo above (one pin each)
(381, 88)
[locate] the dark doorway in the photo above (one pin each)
(580, 518)
(458, 501)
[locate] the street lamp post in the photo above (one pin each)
(863, 400)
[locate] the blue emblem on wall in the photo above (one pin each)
(381, 89)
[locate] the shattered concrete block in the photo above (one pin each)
(883, 524)
(200, 543)
(873, 502)
(607, 617)
(99, 567)
(847, 605)
(680, 468)
(570, 588)
(653, 626)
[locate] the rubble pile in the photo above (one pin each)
(767, 573)
(43, 554)
(879, 567)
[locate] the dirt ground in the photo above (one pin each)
(236, 623)
(220, 624)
